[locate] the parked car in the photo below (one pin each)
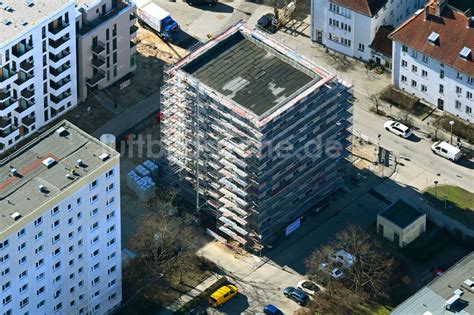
(272, 310)
(345, 258)
(397, 128)
(209, 2)
(307, 286)
(222, 295)
(296, 295)
(336, 273)
(265, 23)
(446, 150)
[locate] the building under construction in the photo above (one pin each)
(257, 130)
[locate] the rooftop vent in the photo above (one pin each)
(48, 162)
(465, 53)
(14, 172)
(6, 21)
(61, 131)
(15, 216)
(80, 163)
(29, 3)
(103, 157)
(42, 189)
(69, 176)
(23, 23)
(6, 7)
(433, 38)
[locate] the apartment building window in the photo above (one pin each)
(459, 76)
(21, 233)
(404, 63)
(424, 88)
(441, 88)
(424, 73)
(95, 240)
(404, 48)
(55, 224)
(40, 290)
(93, 184)
(39, 249)
(38, 221)
(40, 263)
(57, 266)
(115, 71)
(4, 258)
(114, 57)
(441, 74)
(55, 210)
(109, 174)
(40, 276)
(111, 229)
(114, 44)
(413, 83)
(470, 80)
(96, 280)
(23, 274)
(7, 300)
(40, 304)
(414, 54)
(94, 226)
(111, 242)
(95, 267)
(95, 253)
(110, 201)
(112, 283)
(56, 238)
(94, 198)
(457, 104)
(112, 296)
(133, 60)
(70, 221)
(94, 212)
(24, 302)
(458, 90)
(5, 272)
(79, 201)
(111, 256)
(111, 270)
(23, 288)
(58, 307)
(4, 244)
(110, 215)
(107, 34)
(6, 285)
(22, 260)
(425, 59)
(468, 95)
(114, 30)
(414, 68)
(468, 110)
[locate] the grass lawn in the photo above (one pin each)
(373, 309)
(460, 202)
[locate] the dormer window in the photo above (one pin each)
(433, 38)
(465, 53)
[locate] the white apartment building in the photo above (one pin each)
(37, 65)
(60, 226)
(106, 45)
(433, 58)
(351, 26)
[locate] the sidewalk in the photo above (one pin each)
(131, 116)
(188, 296)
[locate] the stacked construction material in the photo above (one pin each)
(146, 188)
(153, 168)
(142, 171)
(132, 179)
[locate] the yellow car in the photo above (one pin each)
(222, 295)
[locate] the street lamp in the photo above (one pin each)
(436, 188)
(451, 122)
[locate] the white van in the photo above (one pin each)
(446, 150)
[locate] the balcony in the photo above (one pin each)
(6, 105)
(133, 30)
(27, 94)
(57, 31)
(59, 84)
(61, 100)
(26, 65)
(60, 44)
(6, 77)
(9, 132)
(57, 72)
(5, 122)
(23, 106)
(23, 80)
(95, 79)
(88, 26)
(133, 19)
(98, 62)
(98, 47)
(58, 59)
(28, 121)
(20, 49)
(133, 44)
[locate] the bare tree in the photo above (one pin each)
(369, 274)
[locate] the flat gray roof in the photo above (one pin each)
(401, 214)
(20, 193)
(20, 12)
(431, 299)
(254, 76)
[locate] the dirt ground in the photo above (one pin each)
(152, 54)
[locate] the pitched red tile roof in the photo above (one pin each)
(365, 7)
(381, 42)
(453, 32)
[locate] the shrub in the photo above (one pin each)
(461, 128)
(398, 98)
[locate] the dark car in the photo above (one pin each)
(272, 310)
(296, 295)
(209, 2)
(265, 23)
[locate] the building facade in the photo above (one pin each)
(37, 66)
(350, 26)
(261, 136)
(106, 45)
(434, 65)
(60, 245)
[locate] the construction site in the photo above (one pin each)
(256, 133)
